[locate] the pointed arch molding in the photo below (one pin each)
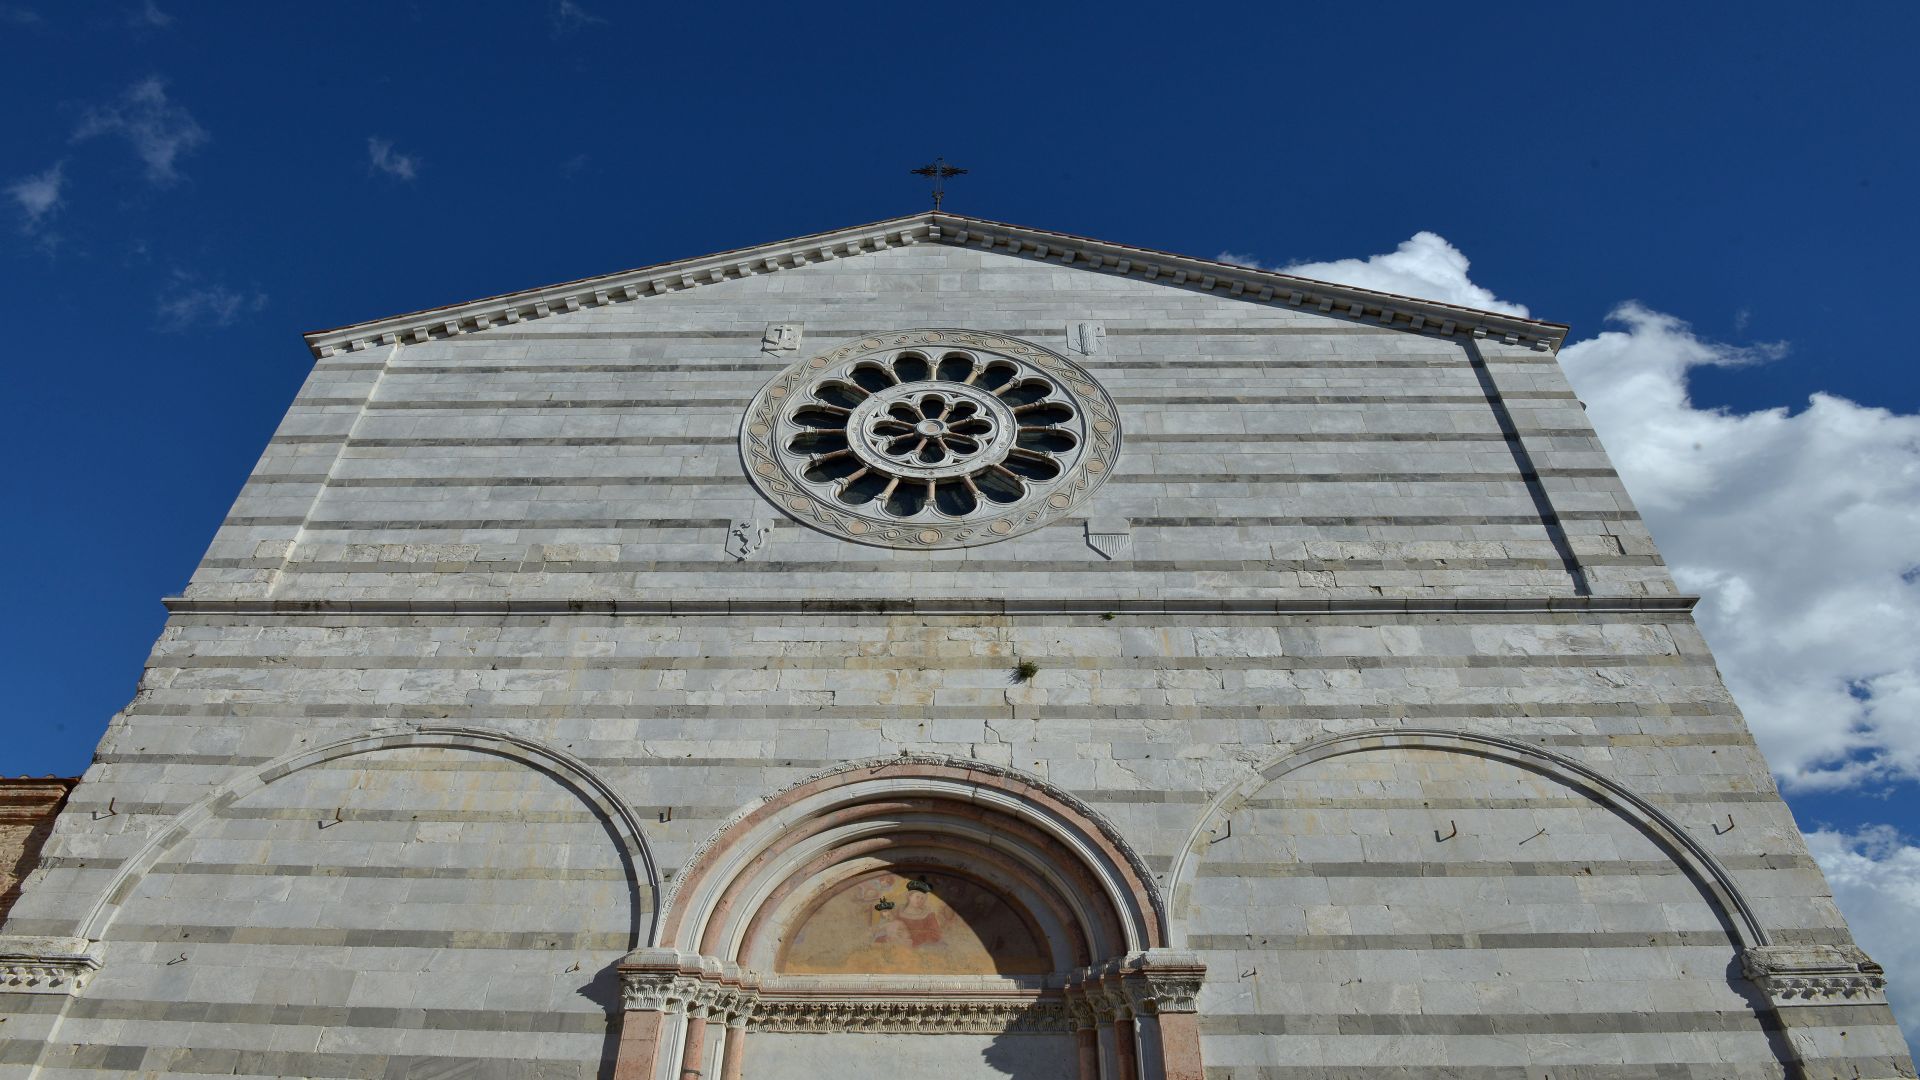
(563, 767)
(1706, 871)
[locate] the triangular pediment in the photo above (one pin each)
(1242, 283)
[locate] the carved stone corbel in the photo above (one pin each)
(1815, 975)
(47, 965)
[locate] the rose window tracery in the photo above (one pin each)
(931, 438)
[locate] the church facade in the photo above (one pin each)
(936, 647)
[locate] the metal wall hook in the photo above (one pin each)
(1438, 839)
(335, 821)
(181, 959)
(1223, 835)
(666, 815)
(110, 812)
(1718, 831)
(1535, 836)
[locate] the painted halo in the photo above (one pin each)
(930, 438)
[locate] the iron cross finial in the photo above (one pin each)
(938, 172)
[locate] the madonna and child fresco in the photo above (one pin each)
(908, 922)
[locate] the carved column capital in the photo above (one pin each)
(1815, 975)
(1163, 981)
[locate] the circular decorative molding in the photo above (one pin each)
(930, 438)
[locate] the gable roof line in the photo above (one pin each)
(1205, 275)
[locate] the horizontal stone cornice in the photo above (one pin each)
(1366, 306)
(1002, 606)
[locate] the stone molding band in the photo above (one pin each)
(1145, 984)
(1386, 310)
(1006, 606)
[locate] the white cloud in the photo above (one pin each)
(159, 130)
(39, 196)
(150, 15)
(19, 16)
(1797, 529)
(1425, 266)
(565, 17)
(1875, 874)
(187, 303)
(382, 157)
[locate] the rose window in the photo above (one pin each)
(931, 438)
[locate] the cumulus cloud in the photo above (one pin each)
(188, 303)
(382, 157)
(38, 196)
(1796, 528)
(1425, 266)
(1875, 874)
(159, 130)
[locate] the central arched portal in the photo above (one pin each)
(912, 914)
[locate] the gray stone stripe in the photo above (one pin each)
(1349, 521)
(1503, 868)
(127, 1059)
(733, 479)
(402, 873)
(334, 1016)
(1135, 662)
(569, 440)
(1674, 797)
(628, 523)
(1147, 437)
(531, 817)
(450, 710)
(305, 440)
(1506, 940)
(389, 614)
(683, 403)
(829, 335)
(1240, 331)
(1630, 939)
(556, 941)
(1338, 399)
(1185, 367)
(1767, 1069)
(717, 568)
(1552, 1023)
(441, 371)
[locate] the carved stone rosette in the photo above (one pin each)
(43, 965)
(1815, 975)
(930, 439)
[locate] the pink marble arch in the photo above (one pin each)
(903, 921)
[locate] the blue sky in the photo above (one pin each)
(188, 187)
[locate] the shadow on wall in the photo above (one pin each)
(1029, 1056)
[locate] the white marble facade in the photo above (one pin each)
(1358, 657)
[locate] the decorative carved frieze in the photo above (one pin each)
(46, 965)
(1815, 975)
(912, 1015)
